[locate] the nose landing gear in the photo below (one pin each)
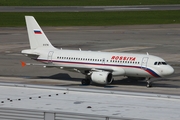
(149, 83)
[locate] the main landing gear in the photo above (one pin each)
(86, 81)
(149, 83)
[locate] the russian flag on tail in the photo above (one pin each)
(37, 32)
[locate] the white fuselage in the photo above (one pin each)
(121, 64)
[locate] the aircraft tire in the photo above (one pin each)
(149, 85)
(85, 82)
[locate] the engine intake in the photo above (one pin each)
(102, 77)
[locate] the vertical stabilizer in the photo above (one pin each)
(37, 38)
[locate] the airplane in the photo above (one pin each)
(98, 67)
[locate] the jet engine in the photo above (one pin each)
(102, 77)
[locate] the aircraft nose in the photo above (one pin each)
(168, 71)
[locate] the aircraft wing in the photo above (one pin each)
(103, 69)
(85, 70)
(72, 69)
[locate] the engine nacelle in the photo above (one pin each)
(102, 77)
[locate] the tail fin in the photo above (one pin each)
(37, 38)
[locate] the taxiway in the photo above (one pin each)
(87, 8)
(160, 40)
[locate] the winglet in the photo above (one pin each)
(23, 63)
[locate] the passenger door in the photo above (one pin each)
(144, 63)
(49, 58)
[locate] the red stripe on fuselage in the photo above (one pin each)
(151, 72)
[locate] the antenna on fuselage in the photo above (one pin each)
(147, 53)
(79, 49)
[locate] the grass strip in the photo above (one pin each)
(92, 18)
(85, 2)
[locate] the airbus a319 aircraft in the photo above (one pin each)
(98, 67)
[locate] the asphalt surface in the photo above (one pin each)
(86, 8)
(160, 40)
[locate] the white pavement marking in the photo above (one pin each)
(125, 49)
(169, 57)
(5, 47)
(126, 9)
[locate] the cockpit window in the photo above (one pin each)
(160, 63)
(164, 63)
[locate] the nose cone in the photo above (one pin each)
(168, 71)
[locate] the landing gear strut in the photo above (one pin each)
(149, 83)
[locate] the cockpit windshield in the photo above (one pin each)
(160, 63)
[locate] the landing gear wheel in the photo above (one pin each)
(149, 85)
(85, 82)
